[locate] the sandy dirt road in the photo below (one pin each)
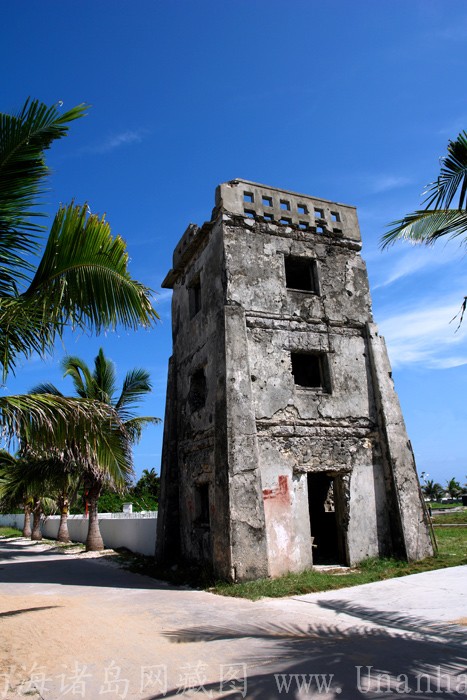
(76, 626)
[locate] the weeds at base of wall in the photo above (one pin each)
(452, 544)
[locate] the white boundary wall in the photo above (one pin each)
(135, 531)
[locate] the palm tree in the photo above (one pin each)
(439, 218)
(51, 473)
(20, 483)
(432, 490)
(9, 501)
(81, 279)
(453, 488)
(148, 482)
(100, 386)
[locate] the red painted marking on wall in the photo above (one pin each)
(280, 493)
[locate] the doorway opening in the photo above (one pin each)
(325, 528)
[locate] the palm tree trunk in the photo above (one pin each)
(63, 534)
(27, 520)
(36, 520)
(94, 541)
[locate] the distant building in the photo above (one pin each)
(284, 442)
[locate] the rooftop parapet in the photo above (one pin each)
(257, 201)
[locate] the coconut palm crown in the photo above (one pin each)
(114, 465)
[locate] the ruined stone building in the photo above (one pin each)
(284, 443)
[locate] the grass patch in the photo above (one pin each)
(10, 532)
(450, 518)
(435, 505)
(452, 545)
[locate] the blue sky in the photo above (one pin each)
(349, 101)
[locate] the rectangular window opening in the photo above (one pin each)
(302, 209)
(248, 197)
(335, 216)
(198, 390)
(320, 229)
(267, 201)
(268, 217)
(285, 205)
(301, 274)
(194, 297)
(287, 222)
(202, 505)
(250, 213)
(310, 370)
(303, 225)
(319, 214)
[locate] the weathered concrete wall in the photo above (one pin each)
(274, 279)
(412, 518)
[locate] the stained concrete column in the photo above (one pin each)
(247, 525)
(168, 518)
(412, 519)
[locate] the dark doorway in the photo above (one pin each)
(324, 519)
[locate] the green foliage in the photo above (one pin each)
(149, 483)
(82, 278)
(113, 450)
(439, 218)
(433, 490)
(453, 488)
(113, 502)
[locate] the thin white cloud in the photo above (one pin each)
(124, 138)
(425, 336)
(384, 183)
(416, 259)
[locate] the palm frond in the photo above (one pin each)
(134, 427)
(81, 280)
(83, 276)
(23, 139)
(46, 388)
(453, 176)
(22, 331)
(83, 381)
(47, 420)
(104, 378)
(426, 226)
(136, 385)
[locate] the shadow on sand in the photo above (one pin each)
(383, 655)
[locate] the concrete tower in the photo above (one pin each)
(284, 442)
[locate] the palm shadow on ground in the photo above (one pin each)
(420, 659)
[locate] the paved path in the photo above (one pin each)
(73, 626)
